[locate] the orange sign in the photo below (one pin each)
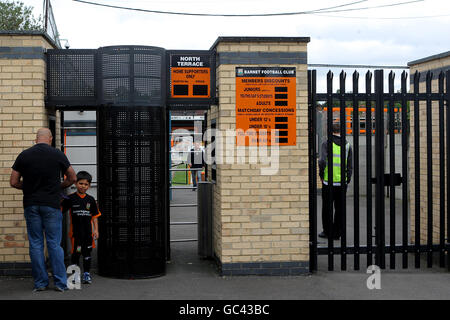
(266, 101)
(190, 76)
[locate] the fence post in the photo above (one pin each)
(312, 170)
(204, 216)
(379, 169)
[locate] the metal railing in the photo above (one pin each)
(64, 148)
(387, 173)
(183, 205)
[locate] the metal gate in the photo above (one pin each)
(372, 230)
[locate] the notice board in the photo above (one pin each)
(190, 76)
(266, 100)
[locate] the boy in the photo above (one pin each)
(83, 213)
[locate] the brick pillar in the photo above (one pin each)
(22, 112)
(261, 222)
(435, 64)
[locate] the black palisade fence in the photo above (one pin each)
(387, 114)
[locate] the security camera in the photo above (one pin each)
(67, 45)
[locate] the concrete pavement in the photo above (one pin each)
(189, 277)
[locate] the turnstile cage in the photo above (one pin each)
(131, 75)
(132, 175)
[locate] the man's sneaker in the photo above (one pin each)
(87, 278)
(40, 289)
(61, 289)
(322, 235)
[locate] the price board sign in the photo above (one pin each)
(266, 101)
(190, 76)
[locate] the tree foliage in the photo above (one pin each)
(15, 16)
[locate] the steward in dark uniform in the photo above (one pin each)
(333, 184)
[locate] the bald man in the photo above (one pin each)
(41, 168)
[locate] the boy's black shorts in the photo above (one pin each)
(83, 246)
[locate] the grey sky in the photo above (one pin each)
(339, 40)
(368, 37)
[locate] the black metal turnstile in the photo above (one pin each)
(132, 175)
(132, 161)
(128, 87)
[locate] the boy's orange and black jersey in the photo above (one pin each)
(83, 209)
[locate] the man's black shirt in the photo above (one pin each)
(41, 167)
(196, 159)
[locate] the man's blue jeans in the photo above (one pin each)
(42, 219)
(196, 176)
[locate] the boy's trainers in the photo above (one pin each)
(87, 278)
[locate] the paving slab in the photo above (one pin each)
(188, 277)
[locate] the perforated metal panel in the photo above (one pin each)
(119, 75)
(132, 175)
(132, 75)
(71, 77)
